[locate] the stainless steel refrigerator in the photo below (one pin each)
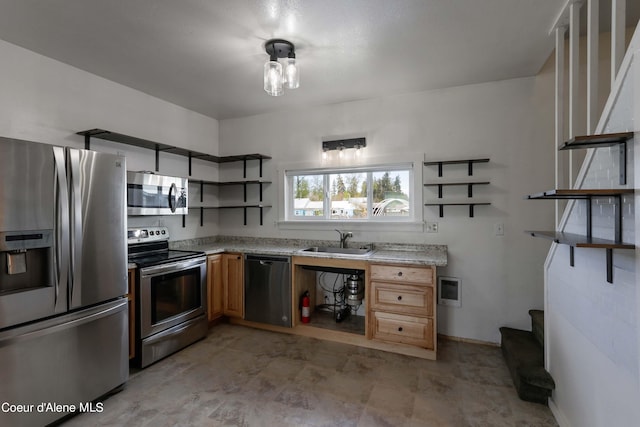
(63, 280)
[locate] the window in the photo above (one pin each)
(380, 193)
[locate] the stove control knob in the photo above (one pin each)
(164, 232)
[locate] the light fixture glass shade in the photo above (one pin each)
(273, 78)
(291, 74)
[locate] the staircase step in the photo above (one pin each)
(537, 325)
(525, 359)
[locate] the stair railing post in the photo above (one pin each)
(574, 76)
(593, 33)
(559, 110)
(618, 12)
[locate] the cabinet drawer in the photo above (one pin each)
(411, 330)
(401, 273)
(405, 298)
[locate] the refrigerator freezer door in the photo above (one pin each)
(33, 232)
(69, 360)
(26, 176)
(98, 227)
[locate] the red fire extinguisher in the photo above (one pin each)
(306, 309)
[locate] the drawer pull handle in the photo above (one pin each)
(400, 329)
(399, 297)
(399, 273)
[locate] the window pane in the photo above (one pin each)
(308, 196)
(348, 192)
(391, 193)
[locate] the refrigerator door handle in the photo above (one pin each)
(61, 235)
(76, 228)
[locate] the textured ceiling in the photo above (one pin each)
(207, 55)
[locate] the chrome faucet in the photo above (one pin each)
(344, 235)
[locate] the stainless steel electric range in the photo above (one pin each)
(171, 295)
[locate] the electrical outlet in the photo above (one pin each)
(499, 229)
(432, 227)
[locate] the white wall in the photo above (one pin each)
(511, 122)
(47, 101)
(592, 341)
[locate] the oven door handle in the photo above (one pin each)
(171, 267)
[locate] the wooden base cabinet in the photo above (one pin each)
(233, 285)
(214, 287)
(402, 308)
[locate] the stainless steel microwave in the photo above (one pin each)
(152, 194)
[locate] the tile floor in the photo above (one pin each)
(240, 376)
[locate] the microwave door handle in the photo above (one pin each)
(172, 197)
(61, 235)
(76, 228)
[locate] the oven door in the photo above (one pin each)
(170, 294)
(151, 194)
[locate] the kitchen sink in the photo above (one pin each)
(364, 250)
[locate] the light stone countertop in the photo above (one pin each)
(394, 253)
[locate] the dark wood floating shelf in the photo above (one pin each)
(468, 162)
(450, 184)
(580, 193)
(202, 183)
(579, 241)
(231, 206)
(595, 141)
(471, 206)
(604, 140)
(166, 148)
(245, 207)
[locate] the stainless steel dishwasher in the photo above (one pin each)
(267, 289)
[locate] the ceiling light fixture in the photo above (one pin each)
(275, 76)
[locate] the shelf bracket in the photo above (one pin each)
(623, 162)
(571, 256)
(439, 191)
(261, 186)
(441, 210)
(244, 170)
(189, 163)
(260, 167)
(260, 215)
(470, 169)
(201, 191)
(245, 216)
(87, 142)
(471, 209)
(157, 158)
(201, 217)
(609, 265)
(589, 207)
(245, 192)
(469, 190)
(184, 221)
(618, 219)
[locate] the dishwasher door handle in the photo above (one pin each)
(262, 262)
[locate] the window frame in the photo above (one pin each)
(289, 205)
